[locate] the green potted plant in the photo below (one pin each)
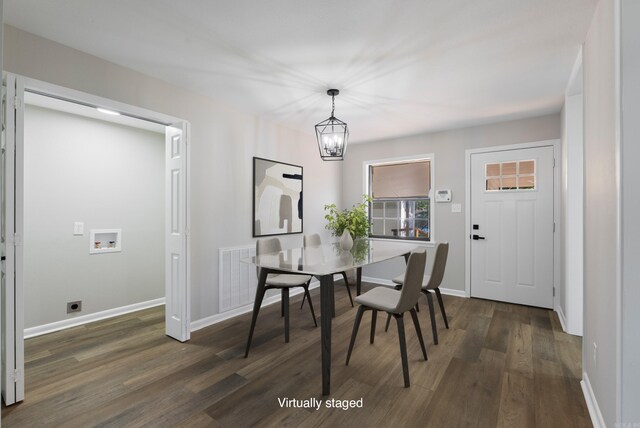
(355, 221)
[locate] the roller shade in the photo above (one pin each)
(401, 180)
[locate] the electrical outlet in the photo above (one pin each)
(74, 306)
(595, 355)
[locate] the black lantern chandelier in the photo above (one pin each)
(332, 134)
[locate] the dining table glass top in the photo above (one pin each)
(327, 259)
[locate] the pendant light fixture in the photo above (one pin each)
(332, 134)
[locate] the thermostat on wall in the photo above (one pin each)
(443, 195)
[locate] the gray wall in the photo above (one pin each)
(107, 176)
(223, 142)
(449, 150)
(601, 210)
(630, 149)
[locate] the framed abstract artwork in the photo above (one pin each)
(277, 198)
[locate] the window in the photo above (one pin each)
(401, 203)
(512, 175)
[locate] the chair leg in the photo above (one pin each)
(285, 309)
(386, 327)
(282, 303)
(441, 303)
(303, 299)
(403, 348)
(354, 333)
(346, 283)
(432, 314)
(374, 317)
(416, 323)
(256, 308)
(308, 296)
(397, 287)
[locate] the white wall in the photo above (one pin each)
(449, 150)
(104, 175)
(601, 215)
(223, 142)
(630, 150)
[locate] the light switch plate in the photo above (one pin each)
(456, 208)
(78, 228)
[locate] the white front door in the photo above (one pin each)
(176, 234)
(512, 226)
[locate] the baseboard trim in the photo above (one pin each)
(592, 403)
(562, 318)
(389, 283)
(214, 319)
(85, 319)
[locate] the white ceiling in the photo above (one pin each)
(403, 67)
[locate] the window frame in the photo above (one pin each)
(366, 180)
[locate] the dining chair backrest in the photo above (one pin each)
(266, 246)
(412, 281)
(439, 265)
(311, 240)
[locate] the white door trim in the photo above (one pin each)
(557, 177)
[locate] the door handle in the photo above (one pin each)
(478, 237)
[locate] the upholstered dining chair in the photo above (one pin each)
(431, 283)
(281, 281)
(314, 241)
(395, 303)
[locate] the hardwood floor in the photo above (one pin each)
(498, 365)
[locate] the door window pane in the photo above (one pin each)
(508, 168)
(493, 170)
(526, 182)
(526, 167)
(511, 175)
(493, 183)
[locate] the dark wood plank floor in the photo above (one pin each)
(498, 365)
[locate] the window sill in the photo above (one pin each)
(428, 244)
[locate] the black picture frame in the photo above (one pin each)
(267, 186)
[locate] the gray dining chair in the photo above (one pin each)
(281, 281)
(431, 283)
(314, 240)
(395, 303)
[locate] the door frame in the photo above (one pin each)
(557, 180)
(79, 97)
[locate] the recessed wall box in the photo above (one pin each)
(443, 195)
(105, 241)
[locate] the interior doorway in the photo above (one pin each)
(175, 207)
(93, 240)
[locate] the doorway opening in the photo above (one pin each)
(98, 206)
(93, 241)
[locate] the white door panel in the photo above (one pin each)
(12, 231)
(512, 250)
(176, 270)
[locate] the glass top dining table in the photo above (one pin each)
(323, 261)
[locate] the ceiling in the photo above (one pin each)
(403, 67)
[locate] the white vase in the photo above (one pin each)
(346, 241)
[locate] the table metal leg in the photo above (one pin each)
(326, 289)
(260, 290)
